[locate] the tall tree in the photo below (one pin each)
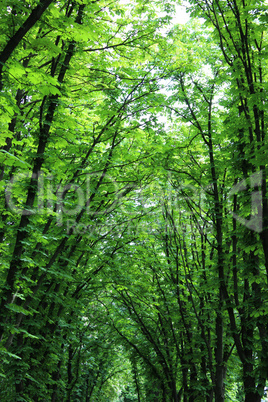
(74, 119)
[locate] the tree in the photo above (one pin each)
(239, 28)
(71, 104)
(226, 246)
(133, 252)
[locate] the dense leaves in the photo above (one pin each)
(134, 233)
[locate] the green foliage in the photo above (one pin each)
(133, 239)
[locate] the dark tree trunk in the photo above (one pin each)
(21, 32)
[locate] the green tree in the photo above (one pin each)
(74, 118)
(134, 252)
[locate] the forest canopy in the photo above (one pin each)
(134, 215)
